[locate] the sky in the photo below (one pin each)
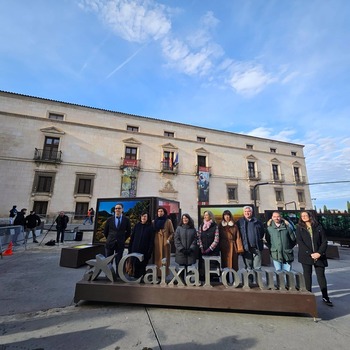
(277, 69)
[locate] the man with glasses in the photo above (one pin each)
(117, 230)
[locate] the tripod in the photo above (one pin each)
(53, 222)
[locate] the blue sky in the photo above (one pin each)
(269, 68)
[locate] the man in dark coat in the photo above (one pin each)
(20, 220)
(32, 221)
(252, 232)
(117, 230)
(61, 225)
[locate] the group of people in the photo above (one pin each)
(29, 223)
(228, 239)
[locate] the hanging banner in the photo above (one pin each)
(203, 185)
(129, 182)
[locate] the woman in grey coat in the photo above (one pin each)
(185, 241)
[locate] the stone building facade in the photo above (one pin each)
(61, 156)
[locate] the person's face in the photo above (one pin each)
(185, 220)
(61, 213)
(206, 216)
(144, 218)
(160, 212)
(118, 210)
(305, 217)
(276, 218)
(227, 217)
(247, 213)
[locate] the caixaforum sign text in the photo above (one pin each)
(265, 280)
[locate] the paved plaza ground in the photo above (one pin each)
(37, 312)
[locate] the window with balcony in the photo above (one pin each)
(232, 193)
(50, 152)
(84, 184)
(251, 170)
(132, 128)
(169, 134)
(169, 163)
(130, 158)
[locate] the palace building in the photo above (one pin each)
(62, 156)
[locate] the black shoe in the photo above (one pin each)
(327, 301)
(35, 241)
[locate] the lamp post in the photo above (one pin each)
(295, 205)
(254, 193)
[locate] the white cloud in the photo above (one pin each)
(248, 78)
(283, 135)
(135, 21)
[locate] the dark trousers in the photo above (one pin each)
(116, 248)
(60, 232)
(321, 278)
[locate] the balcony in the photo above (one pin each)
(277, 177)
(168, 167)
(130, 163)
(299, 180)
(253, 175)
(47, 156)
(203, 169)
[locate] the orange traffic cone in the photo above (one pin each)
(8, 251)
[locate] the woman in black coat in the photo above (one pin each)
(142, 242)
(312, 242)
(185, 241)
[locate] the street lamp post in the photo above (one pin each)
(295, 205)
(254, 193)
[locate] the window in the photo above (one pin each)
(168, 161)
(84, 184)
(279, 195)
(200, 139)
(50, 151)
(257, 193)
(296, 174)
(301, 196)
(275, 172)
(251, 169)
(40, 207)
(169, 134)
(201, 161)
(232, 193)
(131, 153)
(132, 128)
(56, 116)
(81, 208)
(249, 146)
(43, 182)
(273, 150)
(293, 153)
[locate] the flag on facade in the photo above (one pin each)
(176, 160)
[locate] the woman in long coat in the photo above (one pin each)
(312, 242)
(185, 240)
(164, 234)
(142, 242)
(208, 242)
(230, 241)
